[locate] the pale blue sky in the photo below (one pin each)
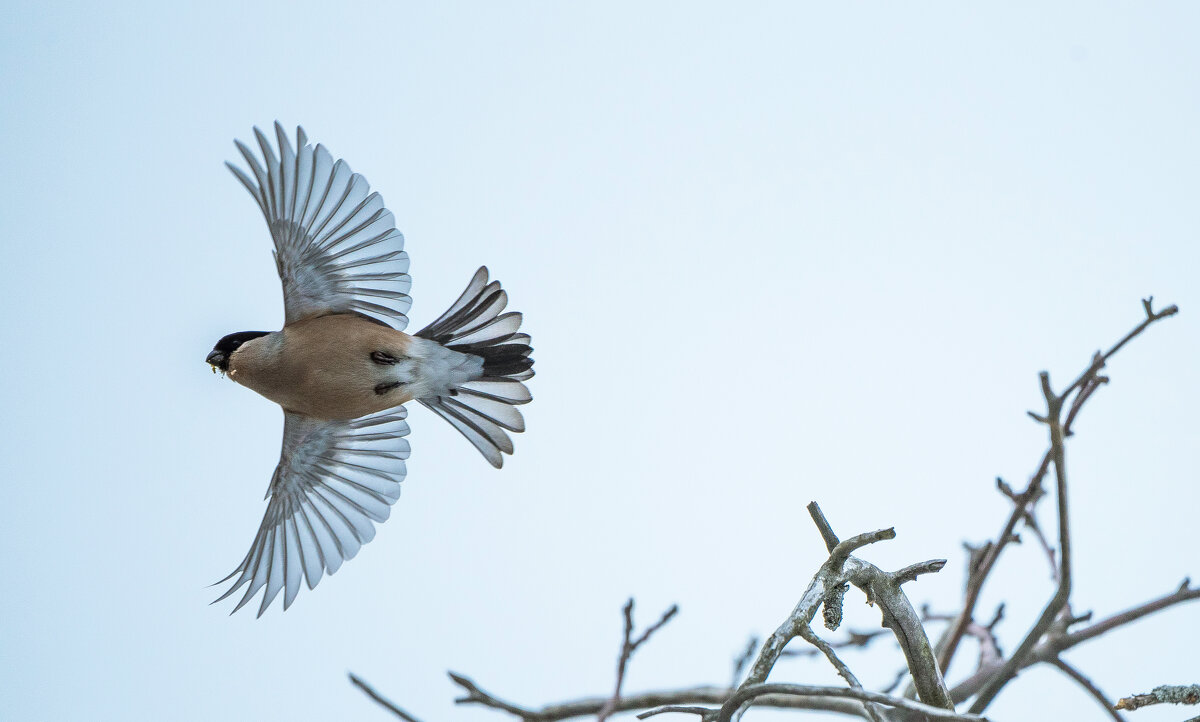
(768, 253)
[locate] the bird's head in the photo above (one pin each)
(219, 357)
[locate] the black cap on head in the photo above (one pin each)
(220, 354)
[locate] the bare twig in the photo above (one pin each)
(743, 659)
(478, 696)
(823, 526)
(989, 647)
(895, 683)
(1102, 358)
(844, 549)
(1088, 686)
(383, 701)
(627, 649)
(1166, 694)
(1184, 593)
(812, 638)
(912, 571)
(1031, 523)
(853, 639)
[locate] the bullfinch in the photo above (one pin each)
(342, 366)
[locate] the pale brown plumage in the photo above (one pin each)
(342, 366)
(321, 367)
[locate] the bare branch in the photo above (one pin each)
(627, 650)
(1184, 593)
(912, 571)
(1101, 359)
(899, 616)
(1166, 694)
(1086, 384)
(1089, 687)
(1063, 593)
(1045, 652)
(475, 695)
(818, 517)
(1051, 647)
(1043, 642)
(981, 568)
(383, 701)
(843, 550)
(880, 588)
(704, 712)
(676, 697)
(749, 692)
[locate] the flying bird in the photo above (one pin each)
(342, 366)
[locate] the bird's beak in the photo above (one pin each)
(215, 358)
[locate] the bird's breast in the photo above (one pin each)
(332, 367)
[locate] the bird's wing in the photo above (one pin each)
(336, 246)
(333, 480)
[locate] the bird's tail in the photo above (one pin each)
(483, 408)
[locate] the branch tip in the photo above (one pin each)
(379, 698)
(831, 540)
(911, 572)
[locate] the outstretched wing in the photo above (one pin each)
(336, 247)
(333, 480)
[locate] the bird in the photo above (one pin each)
(342, 366)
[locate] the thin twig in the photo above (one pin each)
(1088, 686)
(1031, 523)
(812, 638)
(478, 696)
(1102, 358)
(853, 639)
(912, 571)
(989, 647)
(1184, 593)
(383, 701)
(823, 526)
(743, 659)
(1166, 694)
(627, 649)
